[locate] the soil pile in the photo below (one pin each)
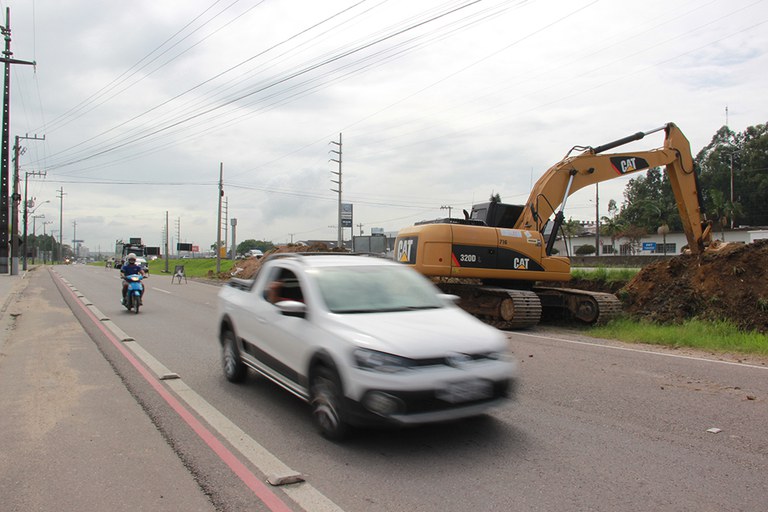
(726, 284)
(247, 268)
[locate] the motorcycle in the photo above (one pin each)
(132, 298)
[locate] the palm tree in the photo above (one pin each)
(570, 228)
(612, 225)
(723, 209)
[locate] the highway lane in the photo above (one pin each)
(597, 425)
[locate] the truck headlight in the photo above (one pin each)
(380, 361)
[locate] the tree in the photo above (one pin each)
(635, 234)
(723, 210)
(612, 225)
(743, 156)
(571, 228)
(649, 202)
(247, 245)
(495, 198)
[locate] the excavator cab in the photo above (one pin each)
(497, 215)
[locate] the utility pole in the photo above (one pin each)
(218, 222)
(45, 238)
(340, 237)
(233, 254)
(361, 228)
(597, 220)
(167, 254)
(74, 239)
(26, 203)
(178, 234)
(7, 59)
(225, 223)
(449, 208)
(61, 224)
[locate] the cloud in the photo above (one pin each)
(140, 105)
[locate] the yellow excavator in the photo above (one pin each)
(496, 258)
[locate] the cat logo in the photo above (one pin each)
(625, 164)
(405, 251)
(521, 263)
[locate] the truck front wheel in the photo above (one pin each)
(326, 403)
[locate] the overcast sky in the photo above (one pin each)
(437, 103)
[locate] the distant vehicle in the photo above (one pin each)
(143, 263)
(255, 253)
(364, 340)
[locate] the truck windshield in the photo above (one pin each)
(375, 289)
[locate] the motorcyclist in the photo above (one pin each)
(130, 268)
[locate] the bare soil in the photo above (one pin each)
(247, 268)
(727, 283)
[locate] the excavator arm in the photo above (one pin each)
(591, 167)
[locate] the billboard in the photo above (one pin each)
(346, 215)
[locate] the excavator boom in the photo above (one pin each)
(590, 167)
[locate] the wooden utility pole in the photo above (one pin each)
(5, 207)
(25, 220)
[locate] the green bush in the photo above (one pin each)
(584, 250)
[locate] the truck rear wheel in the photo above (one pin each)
(232, 364)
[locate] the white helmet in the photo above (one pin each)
(131, 257)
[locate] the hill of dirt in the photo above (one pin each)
(726, 284)
(247, 268)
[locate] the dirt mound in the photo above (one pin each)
(247, 268)
(726, 284)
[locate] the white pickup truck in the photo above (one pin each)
(364, 340)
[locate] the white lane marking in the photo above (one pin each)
(651, 352)
(304, 494)
(161, 290)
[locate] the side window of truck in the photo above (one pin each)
(283, 286)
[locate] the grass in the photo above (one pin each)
(698, 334)
(605, 274)
(193, 267)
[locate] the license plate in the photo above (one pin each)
(465, 391)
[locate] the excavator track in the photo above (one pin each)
(583, 305)
(502, 308)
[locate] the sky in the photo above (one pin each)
(433, 106)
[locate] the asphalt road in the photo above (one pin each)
(596, 426)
